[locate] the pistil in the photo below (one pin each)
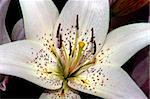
(76, 61)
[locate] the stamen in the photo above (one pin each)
(58, 30)
(60, 41)
(77, 35)
(81, 67)
(94, 50)
(77, 22)
(92, 37)
(93, 42)
(70, 48)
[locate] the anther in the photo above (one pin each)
(77, 22)
(92, 37)
(70, 48)
(94, 47)
(58, 30)
(60, 41)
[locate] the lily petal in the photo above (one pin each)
(107, 82)
(4, 38)
(60, 94)
(82, 16)
(18, 32)
(39, 18)
(31, 61)
(124, 42)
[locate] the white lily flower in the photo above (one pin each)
(72, 52)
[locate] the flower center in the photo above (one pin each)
(80, 56)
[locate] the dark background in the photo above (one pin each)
(19, 88)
